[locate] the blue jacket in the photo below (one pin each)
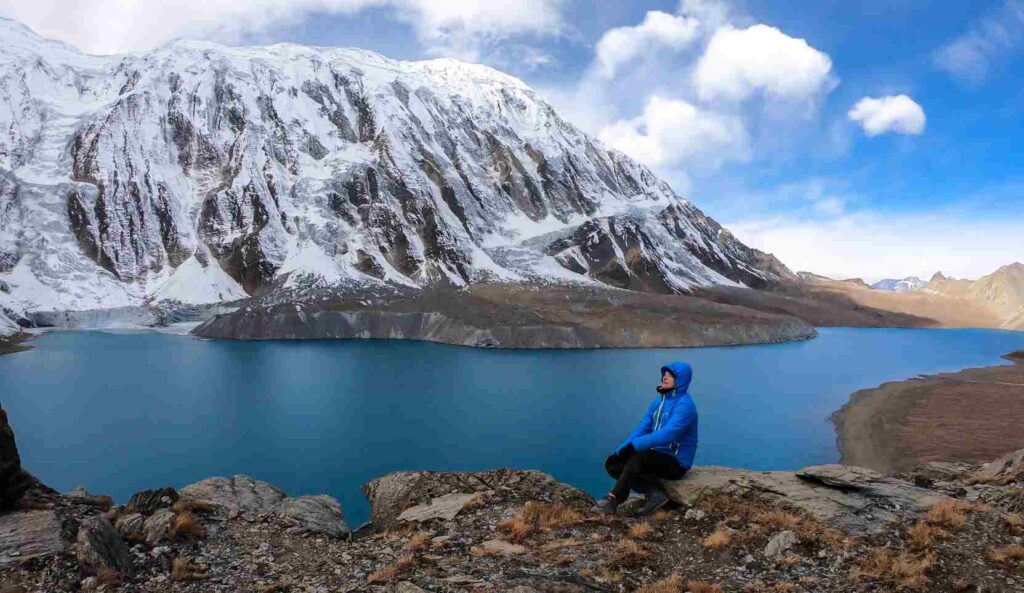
(670, 423)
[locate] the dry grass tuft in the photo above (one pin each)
(948, 514)
(108, 576)
(675, 584)
(185, 526)
(1008, 554)
(1015, 524)
(672, 584)
(921, 535)
(718, 539)
(788, 560)
(659, 516)
(181, 570)
(390, 571)
(641, 531)
(902, 571)
(418, 541)
(702, 587)
(536, 517)
(777, 520)
(628, 553)
(478, 501)
(104, 501)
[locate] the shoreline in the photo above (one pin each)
(16, 343)
(964, 416)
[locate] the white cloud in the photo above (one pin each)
(741, 62)
(622, 44)
(876, 245)
(998, 33)
(898, 114)
(671, 132)
(115, 26)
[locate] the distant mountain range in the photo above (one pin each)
(899, 285)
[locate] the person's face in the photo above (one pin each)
(668, 381)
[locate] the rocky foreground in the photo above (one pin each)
(943, 527)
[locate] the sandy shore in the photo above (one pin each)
(972, 415)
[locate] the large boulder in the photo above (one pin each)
(240, 495)
(1008, 469)
(99, 546)
(392, 494)
(855, 499)
(244, 497)
(14, 481)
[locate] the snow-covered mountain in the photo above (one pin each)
(907, 284)
(199, 173)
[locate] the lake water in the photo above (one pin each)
(121, 412)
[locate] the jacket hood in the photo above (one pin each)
(683, 374)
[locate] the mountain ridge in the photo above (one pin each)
(201, 173)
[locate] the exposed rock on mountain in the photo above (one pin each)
(200, 173)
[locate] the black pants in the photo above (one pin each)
(639, 470)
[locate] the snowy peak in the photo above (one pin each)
(908, 284)
(198, 172)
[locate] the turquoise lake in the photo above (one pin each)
(119, 412)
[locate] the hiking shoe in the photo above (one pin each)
(606, 506)
(656, 498)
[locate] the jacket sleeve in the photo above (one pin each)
(646, 423)
(682, 418)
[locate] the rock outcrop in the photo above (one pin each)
(392, 494)
(14, 481)
(243, 497)
(855, 499)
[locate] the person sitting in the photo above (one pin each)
(662, 447)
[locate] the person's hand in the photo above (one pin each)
(626, 451)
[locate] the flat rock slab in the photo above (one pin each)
(444, 507)
(29, 534)
(855, 499)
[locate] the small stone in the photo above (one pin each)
(781, 542)
(89, 583)
(694, 515)
(407, 587)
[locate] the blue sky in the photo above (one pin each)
(873, 139)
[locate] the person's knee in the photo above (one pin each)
(613, 465)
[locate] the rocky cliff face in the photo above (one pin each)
(14, 481)
(201, 173)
